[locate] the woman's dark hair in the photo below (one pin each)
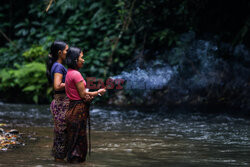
(72, 57)
(53, 56)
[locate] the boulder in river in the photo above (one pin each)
(13, 131)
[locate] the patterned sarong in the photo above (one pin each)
(76, 119)
(58, 108)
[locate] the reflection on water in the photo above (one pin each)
(131, 138)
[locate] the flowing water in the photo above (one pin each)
(126, 137)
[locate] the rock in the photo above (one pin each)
(3, 149)
(1, 130)
(33, 138)
(10, 139)
(7, 134)
(13, 131)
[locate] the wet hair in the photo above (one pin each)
(53, 56)
(72, 57)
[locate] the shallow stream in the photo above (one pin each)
(125, 137)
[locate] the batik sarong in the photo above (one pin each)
(76, 119)
(58, 107)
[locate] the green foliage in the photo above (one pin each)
(35, 54)
(29, 77)
(10, 55)
(111, 32)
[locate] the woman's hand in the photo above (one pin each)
(102, 91)
(88, 98)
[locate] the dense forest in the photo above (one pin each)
(203, 43)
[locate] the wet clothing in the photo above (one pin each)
(72, 78)
(76, 120)
(58, 68)
(58, 107)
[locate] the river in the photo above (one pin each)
(130, 137)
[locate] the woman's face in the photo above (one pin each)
(64, 52)
(80, 60)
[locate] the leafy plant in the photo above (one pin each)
(112, 33)
(29, 77)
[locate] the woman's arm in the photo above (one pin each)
(58, 85)
(83, 93)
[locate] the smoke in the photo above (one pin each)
(151, 77)
(192, 68)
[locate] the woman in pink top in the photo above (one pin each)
(78, 111)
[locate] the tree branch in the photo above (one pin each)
(5, 36)
(50, 3)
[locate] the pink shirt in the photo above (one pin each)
(73, 77)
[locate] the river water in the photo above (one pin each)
(128, 137)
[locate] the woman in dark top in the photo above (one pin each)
(56, 74)
(78, 111)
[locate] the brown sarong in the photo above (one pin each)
(76, 120)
